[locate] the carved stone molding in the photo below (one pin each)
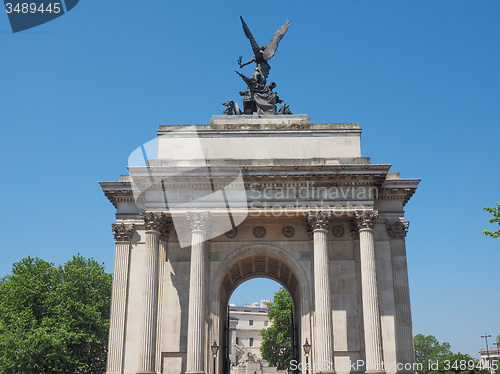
(199, 221)
(232, 233)
(259, 232)
(318, 219)
(353, 229)
(365, 219)
(156, 221)
(288, 231)
(338, 231)
(181, 232)
(122, 232)
(164, 230)
(397, 229)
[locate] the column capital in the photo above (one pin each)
(122, 232)
(318, 219)
(199, 221)
(365, 219)
(156, 221)
(164, 230)
(397, 229)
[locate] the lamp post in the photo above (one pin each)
(307, 352)
(498, 354)
(215, 349)
(486, 336)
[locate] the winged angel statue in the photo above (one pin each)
(263, 54)
(259, 98)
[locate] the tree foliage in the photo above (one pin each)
(459, 363)
(429, 350)
(276, 345)
(437, 358)
(54, 319)
(494, 219)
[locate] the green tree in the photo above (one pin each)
(495, 218)
(429, 350)
(276, 345)
(54, 319)
(459, 363)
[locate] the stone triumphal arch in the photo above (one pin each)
(205, 208)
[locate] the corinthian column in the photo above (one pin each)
(371, 313)
(162, 258)
(154, 224)
(323, 345)
(123, 235)
(199, 223)
(404, 334)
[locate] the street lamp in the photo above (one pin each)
(215, 349)
(485, 336)
(498, 353)
(307, 352)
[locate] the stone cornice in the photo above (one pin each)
(275, 175)
(398, 189)
(261, 126)
(259, 177)
(122, 232)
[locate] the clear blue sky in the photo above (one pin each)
(421, 77)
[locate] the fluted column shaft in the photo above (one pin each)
(404, 334)
(369, 291)
(123, 234)
(197, 309)
(323, 344)
(154, 223)
(162, 258)
(150, 302)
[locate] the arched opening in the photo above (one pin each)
(249, 324)
(259, 262)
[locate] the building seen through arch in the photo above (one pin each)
(245, 324)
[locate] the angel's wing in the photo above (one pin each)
(271, 48)
(253, 43)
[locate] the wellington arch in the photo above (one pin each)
(206, 207)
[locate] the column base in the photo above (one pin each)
(146, 372)
(375, 372)
(195, 372)
(327, 372)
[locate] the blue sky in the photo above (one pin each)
(421, 77)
